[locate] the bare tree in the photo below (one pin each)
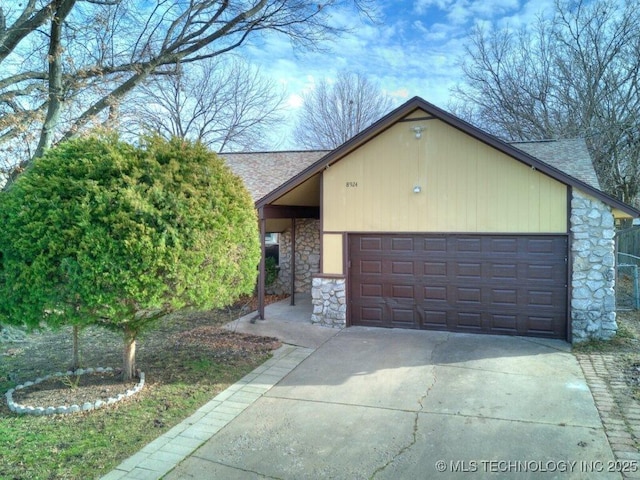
(576, 74)
(67, 64)
(332, 113)
(223, 103)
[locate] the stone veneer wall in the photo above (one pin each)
(328, 297)
(593, 303)
(307, 257)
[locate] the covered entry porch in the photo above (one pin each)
(299, 252)
(289, 323)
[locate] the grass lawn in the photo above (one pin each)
(181, 376)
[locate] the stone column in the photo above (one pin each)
(307, 257)
(329, 300)
(593, 302)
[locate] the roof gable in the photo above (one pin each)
(264, 172)
(563, 171)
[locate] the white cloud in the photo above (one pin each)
(527, 15)
(493, 8)
(294, 101)
(421, 7)
(415, 51)
(459, 12)
(401, 93)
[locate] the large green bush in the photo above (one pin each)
(101, 232)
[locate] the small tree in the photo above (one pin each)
(100, 232)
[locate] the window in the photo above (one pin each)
(271, 239)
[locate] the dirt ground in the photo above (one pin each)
(48, 352)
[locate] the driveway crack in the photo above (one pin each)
(414, 435)
(245, 470)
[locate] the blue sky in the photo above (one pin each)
(414, 48)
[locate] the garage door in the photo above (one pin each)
(505, 284)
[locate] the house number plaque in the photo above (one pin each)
(352, 184)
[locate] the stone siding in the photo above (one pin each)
(307, 257)
(328, 297)
(593, 304)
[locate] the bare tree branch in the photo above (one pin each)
(333, 113)
(96, 52)
(573, 76)
(222, 103)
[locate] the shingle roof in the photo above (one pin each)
(570, 156)
(263, 172)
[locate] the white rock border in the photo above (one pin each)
(67, 409)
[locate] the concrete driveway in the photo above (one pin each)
(389, 404)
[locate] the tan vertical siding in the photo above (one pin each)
(332, 254)
(467, 186)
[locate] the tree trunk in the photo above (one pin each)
(54, 107)
(76, 349)
(129, 365)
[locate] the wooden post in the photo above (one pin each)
(293, 261)
(262, 271)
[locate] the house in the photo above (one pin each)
(424, 221)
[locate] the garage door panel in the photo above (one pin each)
(402, 291)
(547, 299)
(370, 244)
(467, 245)
(504, 323)
(403, 317)
(541, 299)
(503, 297)
(541, 324)
(435, 319)
(466, 321)
(434, 292)
(402, 244)
(543, 272)
(541, 246)
(434, 244)
(504, 245)
(467, 270)
(370, 266)
(505, 284)
(403, 268)
(503, 271)
(373, 316)
(435, 269)
(465, 295)
(373, 290)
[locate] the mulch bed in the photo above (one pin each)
(57, 391)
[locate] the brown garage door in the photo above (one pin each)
(497, 284)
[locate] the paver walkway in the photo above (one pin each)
(160, 456)
(619, 412)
